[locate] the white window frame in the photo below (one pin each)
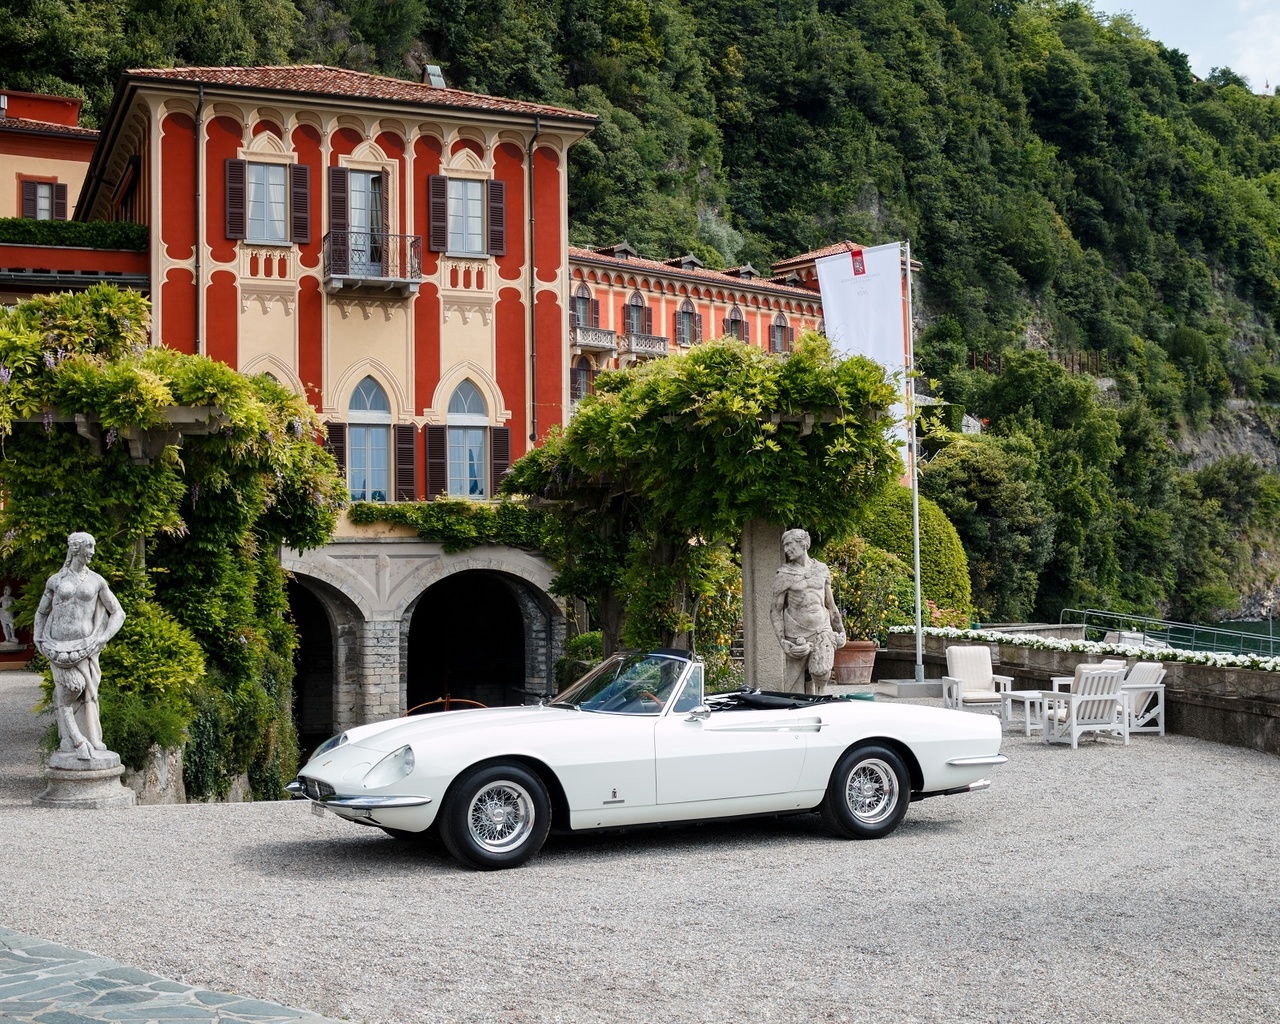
(468, 434)
(266, 214)
(368, 433)
(466, 217)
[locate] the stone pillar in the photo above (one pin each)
(367, 673)
(761, 558)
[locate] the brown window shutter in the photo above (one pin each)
(677, 324)
(300, 203)
(336, 445)
(573, 313)
(438, 213)
(30, 191)
(791, 338)
(746, 330)
(381, 230)
(339, 221)
(436, 439)
(237, 171)
(406, 462)
(698, 327)
(497, 196)
(648, 319)
(499, 457)
(724, 325)
(59, 202)
(595, 312)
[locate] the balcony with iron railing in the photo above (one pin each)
(593, 339)
(643, 346)
(372, 260)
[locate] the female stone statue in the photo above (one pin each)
(78, 614)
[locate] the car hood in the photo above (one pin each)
(396, 732)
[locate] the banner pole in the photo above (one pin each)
(913, 448)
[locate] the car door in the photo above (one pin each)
(730, 754)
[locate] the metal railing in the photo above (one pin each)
(1144, 631)
(362, 257)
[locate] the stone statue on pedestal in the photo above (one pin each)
(805, 617)
(7, 601)
(78, 614)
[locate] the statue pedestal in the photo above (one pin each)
(11, 646)
(76, 783)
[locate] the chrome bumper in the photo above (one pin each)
(975, 762)
(359, 803)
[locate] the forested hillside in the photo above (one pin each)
(1071, 189)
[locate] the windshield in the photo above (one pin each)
(626, 684)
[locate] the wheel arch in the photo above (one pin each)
(899, 748)
(555, 791)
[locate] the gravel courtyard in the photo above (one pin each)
(1104, 884)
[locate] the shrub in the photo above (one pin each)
(873, 589)
(75, 234)
(944, 570)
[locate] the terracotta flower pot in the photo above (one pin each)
(854, 662)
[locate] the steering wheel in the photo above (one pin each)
(653, 697)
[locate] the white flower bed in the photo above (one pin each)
(1040, 643)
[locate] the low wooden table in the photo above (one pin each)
(1032, 702)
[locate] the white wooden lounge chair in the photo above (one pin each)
(1143, 690)
(1094, 704)
(1066, 682)
(969, 679)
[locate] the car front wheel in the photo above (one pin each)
(496, 816)
(868, 794)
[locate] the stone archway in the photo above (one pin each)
(321, 616)
(467, 639)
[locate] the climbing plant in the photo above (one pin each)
(187, 533)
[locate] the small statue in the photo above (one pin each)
(78, 614)
(7, 601)
(805, 617)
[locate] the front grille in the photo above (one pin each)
(315, 789)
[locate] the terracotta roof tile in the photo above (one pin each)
(657, 267)
(319, 79)
(817, 254)
(24, 124)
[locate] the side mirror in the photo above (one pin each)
(699, 714)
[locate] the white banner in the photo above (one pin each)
(864, 309)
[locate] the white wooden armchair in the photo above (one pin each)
(1095, 703)
(1143, 690)
(969, 680)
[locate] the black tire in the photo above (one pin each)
(868, 794)
(496, 816)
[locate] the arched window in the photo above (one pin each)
(580, 377)
(781, 336)
(584, 311)
(468, 432)
(688, 324)
(735, 326)
(637, 318)
(369, 442)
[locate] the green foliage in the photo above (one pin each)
(187, 541)
(580, 653)
(667, 461)
(459, 524)
(989, 488)
(98, 234)
(885, 522)
(873, 589)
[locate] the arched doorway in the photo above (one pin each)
(313, 681)
(467, 639)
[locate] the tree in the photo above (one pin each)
(187, 536)
(665, 463)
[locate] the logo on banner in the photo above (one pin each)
(859, 264)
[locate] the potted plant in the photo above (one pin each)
(873, 590)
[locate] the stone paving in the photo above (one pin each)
(44, 983)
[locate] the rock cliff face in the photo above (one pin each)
(1244, 429)
(1238, 430)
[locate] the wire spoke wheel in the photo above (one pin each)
(872, 791)
(501, 816)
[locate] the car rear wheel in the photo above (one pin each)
(496, 816)
(868, 794)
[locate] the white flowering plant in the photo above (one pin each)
(1040, 643)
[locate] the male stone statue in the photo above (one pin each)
(805, 617)
(7, 601)
(78, 614)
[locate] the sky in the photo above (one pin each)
(1243, 35)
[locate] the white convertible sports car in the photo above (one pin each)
(636, 742)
